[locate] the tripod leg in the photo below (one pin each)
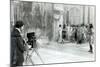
(39, 56)
(31, 60)
(28, 57)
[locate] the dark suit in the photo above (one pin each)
(17, 48)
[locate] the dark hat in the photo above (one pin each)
(90, 25)
(60, 25)
(19, 24)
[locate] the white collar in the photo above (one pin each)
(18, 30)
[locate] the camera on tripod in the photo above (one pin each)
(31, 39)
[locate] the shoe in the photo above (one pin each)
(90, 51)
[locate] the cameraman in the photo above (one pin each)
(17, 45)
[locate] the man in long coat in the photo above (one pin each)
(17, 45)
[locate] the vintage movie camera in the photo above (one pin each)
(31, 39)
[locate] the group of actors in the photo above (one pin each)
(77, 34)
